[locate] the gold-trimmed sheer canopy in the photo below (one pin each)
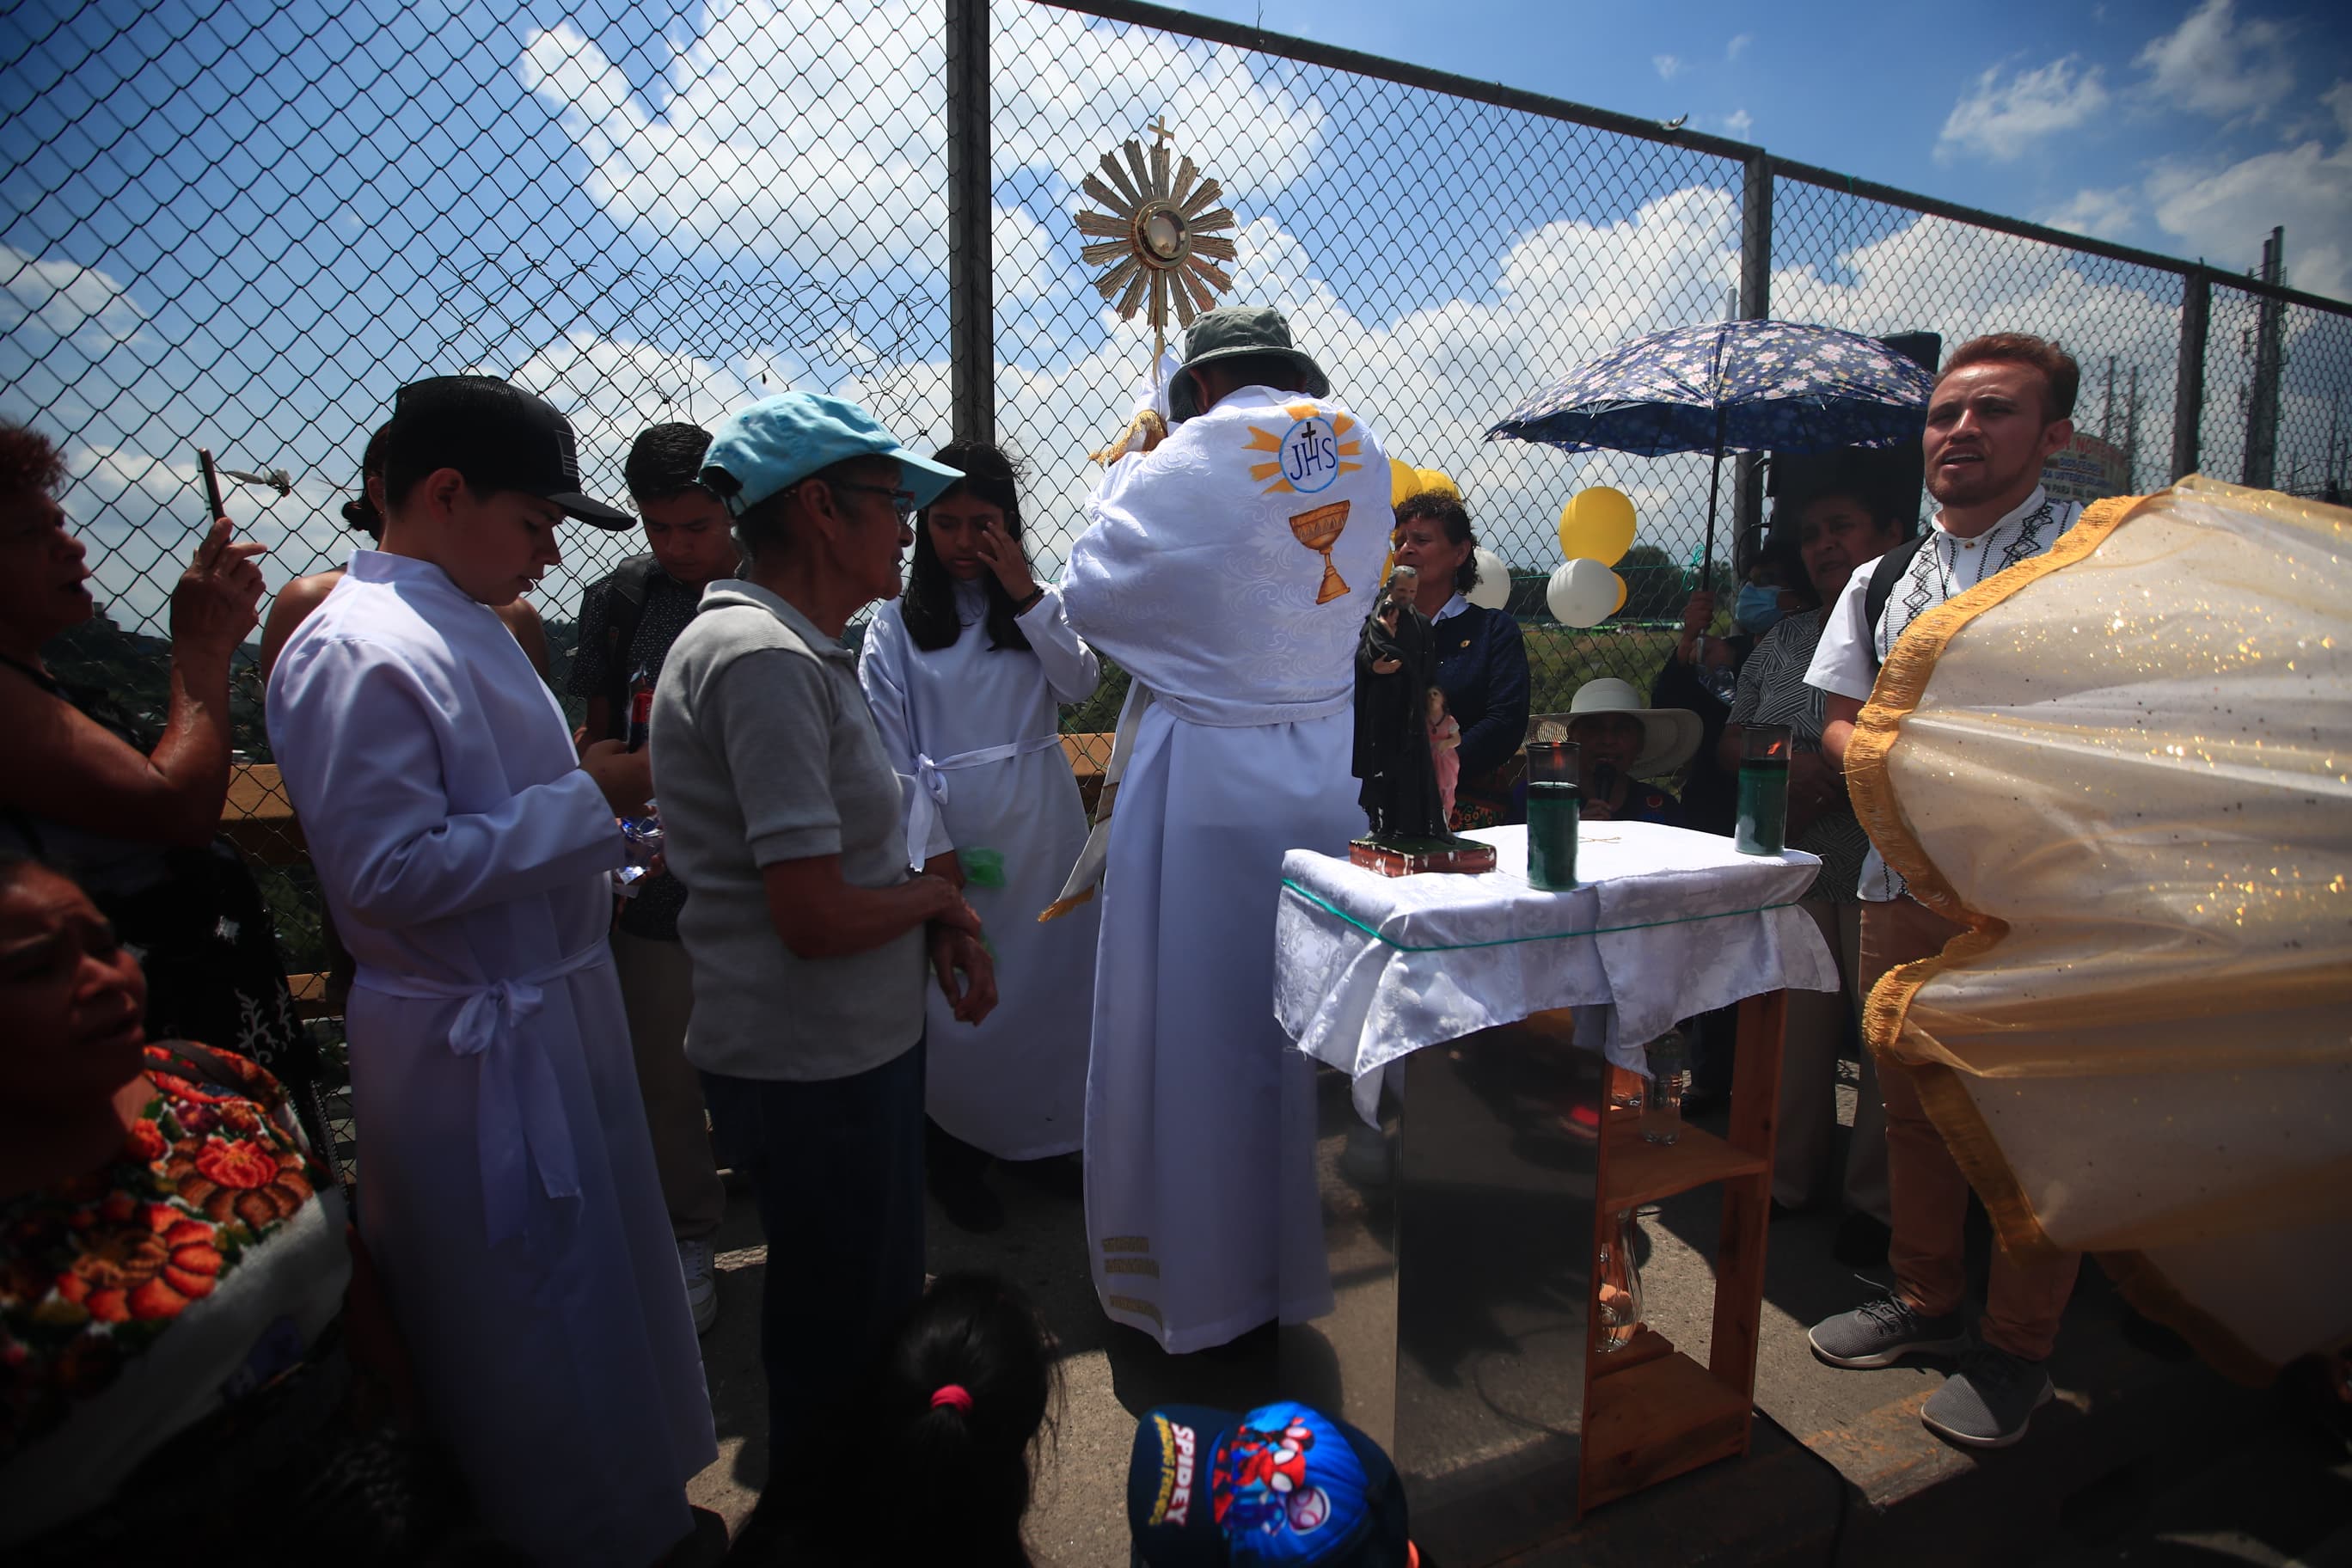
(2127, 768)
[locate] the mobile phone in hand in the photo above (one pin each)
(212, 487)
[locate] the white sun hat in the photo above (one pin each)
(1669, 735)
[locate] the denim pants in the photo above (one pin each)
(836, 1165)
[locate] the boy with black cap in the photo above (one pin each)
(464, 851)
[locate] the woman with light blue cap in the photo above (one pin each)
(808, 935)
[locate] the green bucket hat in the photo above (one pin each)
(1231, 334)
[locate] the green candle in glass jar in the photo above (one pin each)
(1763, 827)
(1555, 810)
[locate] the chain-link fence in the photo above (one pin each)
(2278, 395)
(1440, 258)
(243, 226)
(1871, 266)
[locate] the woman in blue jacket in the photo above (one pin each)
(1482, 662)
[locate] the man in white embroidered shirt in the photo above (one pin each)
(2000, 407)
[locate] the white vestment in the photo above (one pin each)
(508, 1191)
(1198, 573)
(977, 731)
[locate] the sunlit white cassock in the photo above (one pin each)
(977, 729)
(1203, 572)
(510, 1196)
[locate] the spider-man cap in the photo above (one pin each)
(1281, 1487)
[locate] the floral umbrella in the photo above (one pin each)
(1731, 386)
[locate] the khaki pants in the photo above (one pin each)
(658, 993)
(2023, 1301)
(1817, 1031)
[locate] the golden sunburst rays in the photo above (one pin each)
(1158, 233)
(1309, 455)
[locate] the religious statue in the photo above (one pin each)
(1396, 661)
(1396, 667)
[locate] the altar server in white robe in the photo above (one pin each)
(964, 673)
(1229, 571)
(465, 852)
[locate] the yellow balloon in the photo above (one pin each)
(1598, 525)
(1435, 482)
(1403, 481)
(1621, 595)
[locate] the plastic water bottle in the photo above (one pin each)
(1670, 1079)
(641, 708)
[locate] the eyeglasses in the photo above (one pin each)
(901, 501)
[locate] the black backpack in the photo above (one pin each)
(1883, 578)
(628, 585)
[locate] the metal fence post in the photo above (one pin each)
(2189, 383)
(2261, 468)
(972, 302)
(1755, 304)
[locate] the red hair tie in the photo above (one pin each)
(953, 1394)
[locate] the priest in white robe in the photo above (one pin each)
(1228, 570)
(510, 1197)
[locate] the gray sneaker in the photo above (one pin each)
(1987, 1402)
(702, 1290)
(1882, 1332)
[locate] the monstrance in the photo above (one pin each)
(1159, 234)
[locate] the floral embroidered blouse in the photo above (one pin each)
(197, 1265)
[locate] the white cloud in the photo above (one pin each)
(1738, 124)
(1739, 46)
(2216, 66)
(611, 389)
(2225, 214)
(782, 131)
(1080, 92)
(2106, 214)
(1026, 263)
(794, 130)
(65, 300)
(1668, 65)
(2002, 119)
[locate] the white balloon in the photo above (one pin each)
(1582, 593)
(1493, 589)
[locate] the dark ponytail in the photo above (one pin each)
(358, 513)
(929, 606)
(928, 1458)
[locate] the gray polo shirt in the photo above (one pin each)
(763, 751)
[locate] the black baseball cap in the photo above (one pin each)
(497, 435)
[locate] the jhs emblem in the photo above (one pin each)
(1310, 454)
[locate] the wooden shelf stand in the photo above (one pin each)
(1651, 1412)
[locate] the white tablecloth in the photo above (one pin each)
(1663, 924)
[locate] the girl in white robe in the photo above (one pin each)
(972, 722)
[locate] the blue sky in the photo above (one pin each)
(2184, 128)
(245, 224)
